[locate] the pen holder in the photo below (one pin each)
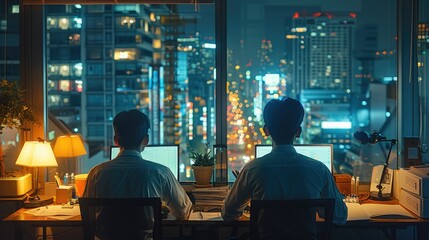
(63, 194)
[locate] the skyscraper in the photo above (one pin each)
(322, 54)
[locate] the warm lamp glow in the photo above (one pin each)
(36, 154)
(69, 146)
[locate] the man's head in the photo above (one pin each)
(283, 120)
(131, 129)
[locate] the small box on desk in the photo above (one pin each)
(343, 183)
(63, 194)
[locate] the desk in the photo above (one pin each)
(20, 218)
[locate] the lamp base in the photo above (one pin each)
(38, 202)
(377, 197)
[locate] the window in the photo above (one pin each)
(125, 54)
(333, 60)
(325, 57)
(94, 53)
(122, 68)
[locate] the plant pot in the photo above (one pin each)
(203, 175)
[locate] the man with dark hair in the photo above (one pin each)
(129, 175)
(283, 173)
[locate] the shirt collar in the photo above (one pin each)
(285, 147)
(130, 153)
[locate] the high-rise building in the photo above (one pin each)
(322, 55)
(9, 43)
(197, 68)
(103, 59)
(323, 50)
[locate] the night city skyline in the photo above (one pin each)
(102, 59)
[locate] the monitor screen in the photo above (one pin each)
(321, 152)
(167, 155)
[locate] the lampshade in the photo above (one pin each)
(36, 154)
(69, 146)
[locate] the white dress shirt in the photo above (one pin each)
(128, 175)
(283, 174)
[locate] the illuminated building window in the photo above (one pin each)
(65, 70)
(15, 9)
(64, 23)
(125, 54)
(64, 85)
(52, 23)
(128, 22)
(156, 43)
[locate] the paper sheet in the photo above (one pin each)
(201, 216)
(54, 210)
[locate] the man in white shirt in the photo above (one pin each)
(129, 175)
(283, 173)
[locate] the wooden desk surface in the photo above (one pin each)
(22, 216)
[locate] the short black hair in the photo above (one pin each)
(131, 127)
(283, 118)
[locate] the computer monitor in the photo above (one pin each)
(167, 155)
(320, 152)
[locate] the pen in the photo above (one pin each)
(201, 215)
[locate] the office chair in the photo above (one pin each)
(121, 218)
(291, 219)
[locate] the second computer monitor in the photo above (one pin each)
(320, 152)
(167, 155)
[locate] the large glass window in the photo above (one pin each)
(9, 70)
(159, 59)
(338, 60)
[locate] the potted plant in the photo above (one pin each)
(14, 112)
(203, 164)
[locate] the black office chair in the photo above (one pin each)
(121, 218)
(291, 219)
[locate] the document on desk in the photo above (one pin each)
(55, 211)
(202, 216)
(358, 211)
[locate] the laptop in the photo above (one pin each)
(320, 152)
(167, 155)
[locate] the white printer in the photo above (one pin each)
(414, 193)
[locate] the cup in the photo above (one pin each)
(80, 182)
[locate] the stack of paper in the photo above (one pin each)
(209, 198)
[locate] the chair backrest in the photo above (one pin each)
(291, 219)
(121, 218)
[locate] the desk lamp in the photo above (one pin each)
(37, 154)
(373, 138)
(69, 146)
